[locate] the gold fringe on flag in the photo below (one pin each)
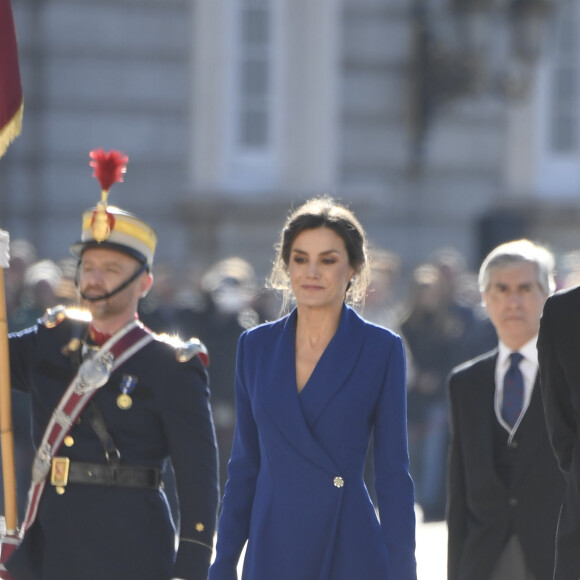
(11, 130)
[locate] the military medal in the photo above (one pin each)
(124, 400)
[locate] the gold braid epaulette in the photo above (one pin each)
(186, 350)
(54, 316)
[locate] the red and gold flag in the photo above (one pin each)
(10, 86)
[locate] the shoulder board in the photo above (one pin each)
(186, 350)
(54, 316)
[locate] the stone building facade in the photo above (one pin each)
(233, 110)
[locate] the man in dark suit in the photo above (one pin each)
(559, 360)
(504, 486)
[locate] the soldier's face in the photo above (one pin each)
(101, 271)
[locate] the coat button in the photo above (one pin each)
(338, 481)
(513, 502)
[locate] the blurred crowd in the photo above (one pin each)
(436, 308)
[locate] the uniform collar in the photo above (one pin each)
(96, 337)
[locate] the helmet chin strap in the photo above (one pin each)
(118, 289)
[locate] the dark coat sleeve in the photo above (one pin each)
(556, 394)
(392, 480)
(191, 442)
(21, 345)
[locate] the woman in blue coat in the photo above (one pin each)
(310, 389)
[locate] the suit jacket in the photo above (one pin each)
(559, 358)
(119, 533)
(484, 507)
(295, 487)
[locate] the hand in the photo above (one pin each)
(4, 249)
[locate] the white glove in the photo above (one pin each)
(4, 251)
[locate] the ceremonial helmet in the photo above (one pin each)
(107, 226)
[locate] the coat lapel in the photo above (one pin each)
(527, 429)
(481, 402)
(283, 402)
(530, 430)
(334, 367)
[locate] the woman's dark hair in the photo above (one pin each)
(324, 212)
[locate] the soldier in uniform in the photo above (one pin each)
(96, 508)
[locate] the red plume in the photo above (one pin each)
(109, 167)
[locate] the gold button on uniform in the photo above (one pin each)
(338, 481)
(69, 441)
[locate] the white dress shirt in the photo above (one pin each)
(529, 370)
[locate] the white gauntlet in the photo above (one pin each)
(4, 249)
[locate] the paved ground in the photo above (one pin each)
(431, 551)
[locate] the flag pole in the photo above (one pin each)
(11, 110)
(6, 429)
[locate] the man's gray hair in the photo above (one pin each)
(518, 252)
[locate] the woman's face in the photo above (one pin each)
(319, 268)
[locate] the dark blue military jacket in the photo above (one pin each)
(120, 533)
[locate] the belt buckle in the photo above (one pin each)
(59, 472)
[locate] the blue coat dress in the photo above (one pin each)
(295, 488)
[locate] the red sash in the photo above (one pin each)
(92, 375)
